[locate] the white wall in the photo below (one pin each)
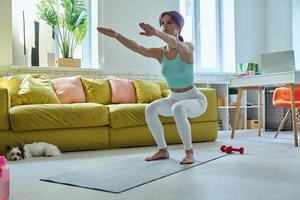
(227, 35)
(5, 33)
(296, 31)
(266, 26)
(30, 15)
(279, 25)
(250, 30)
(260, 26)
(124, 17)
(46, 43)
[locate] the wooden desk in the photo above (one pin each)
(258, 82)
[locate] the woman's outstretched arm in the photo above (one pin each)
(171, 40)
(130, 44)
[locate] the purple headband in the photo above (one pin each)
(176, 17)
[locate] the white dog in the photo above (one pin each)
(35, 149)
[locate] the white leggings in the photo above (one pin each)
(191, 103)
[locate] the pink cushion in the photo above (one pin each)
(69, 89)
(122, 91)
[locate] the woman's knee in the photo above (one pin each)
(177, 109)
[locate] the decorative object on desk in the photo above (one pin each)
(248, 69)
(232, 95)
(69, 20)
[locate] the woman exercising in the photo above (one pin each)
(176, 59)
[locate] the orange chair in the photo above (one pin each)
(282, 98)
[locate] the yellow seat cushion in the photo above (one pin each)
(97, 90)
(127, 115)
(35, 89)
(55, 116)
(146, 91)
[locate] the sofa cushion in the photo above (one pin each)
(69, 89)
(127, 115)
(122, 91)
(12, 83)
(146, 91)
(35, 89)
(55, 116)
(165, 93)
(162, 84)
(97, 90)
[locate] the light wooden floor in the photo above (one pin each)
(269, 169)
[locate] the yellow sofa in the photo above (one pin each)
(87, 126)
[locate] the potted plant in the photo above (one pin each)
(232, 91)
(69, 21)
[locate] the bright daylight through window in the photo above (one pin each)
(203, 21)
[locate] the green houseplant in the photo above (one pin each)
(69, 21)
(232, 90)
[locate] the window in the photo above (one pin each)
(87, 51)
(26, 26)
(201, 27)
(203, 21)
(92, 47)
(89, 48)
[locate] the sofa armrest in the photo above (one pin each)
(4, 109)
(212, 107)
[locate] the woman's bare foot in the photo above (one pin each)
(161, 154)
(189, 157)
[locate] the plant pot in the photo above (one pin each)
(232, 99)
(68, 62)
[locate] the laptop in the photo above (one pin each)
(276, 62)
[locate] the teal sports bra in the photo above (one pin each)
(177, 73)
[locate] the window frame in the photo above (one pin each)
(90, 45)
(197, 38)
